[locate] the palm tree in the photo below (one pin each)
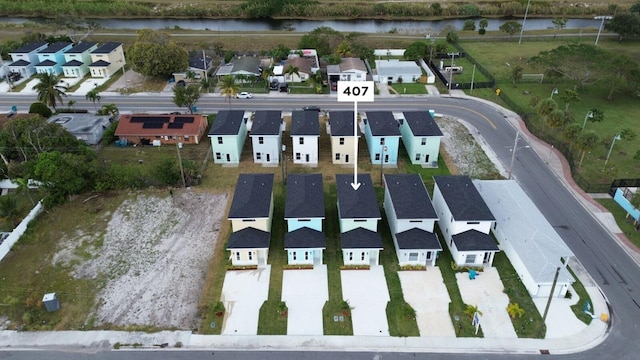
(266, 74)
(93, 96)
(190, 75)
(569, 97)
(228, 87)
(587, 141)
(472, 310)
(514, 310)
(9, 208)
(291, 70)
(109, 109)
(571, 134)
(70, 104)
(50, 90)
(545, 108)
(23, 185)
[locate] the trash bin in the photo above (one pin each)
(50, 302)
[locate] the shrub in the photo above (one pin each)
(41, 109)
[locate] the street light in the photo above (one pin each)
(603, 18)
(554, 92)
(513, 153)
(384, 149)
(588, 116)
(615, 138)
(526, 12)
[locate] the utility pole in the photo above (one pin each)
(553, 289)
(526, 12)
(184, 184)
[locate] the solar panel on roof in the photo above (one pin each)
(137, 119)
(183, 119)
(175, 125)
(150, 119)
(152, 125)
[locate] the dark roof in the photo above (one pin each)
(81, 47)
(305, 196)
(100, 63)
(20, 63)
(252, 197)
(249, 238)
(382, 123)
(227, 122)
(47, 63)
(473, 240)
(341, 123)
(197, 62)
(409, 196)
(73, 63)
(29, 47)
(305, 238)
(357, 204)
(418, 239)
(305, 123)
(463, 199)
(267, 122)
(360, 238)
(422, 123)
(106, 48)
(55, 47)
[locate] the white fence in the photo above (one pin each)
(19, 230)
(388, 52)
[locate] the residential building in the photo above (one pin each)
(86, 127)
(77, 59)
(303, 66)
(246, 66)
(25, 58)
(228, 134)
(383, 137)
(107, 60)
(266, 136)
(393, 71)
(51, 58)
(421, 137)
(344, 136)
(305, 132)
(200, 64)
(152, 129)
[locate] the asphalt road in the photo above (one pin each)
(614, 271)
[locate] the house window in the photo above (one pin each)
(260, 140)
(219, 139)
(295, 256)
(337, 156)
(186, 138)
(238, 255)
(471, 259)
(418, 157)
(304, 220)
(218, 156)
(248, 220)
(362, 256)
(424, 141)
(341, 141)
(306, 255)
(359, 220)
(413, 256)
(350, 256)
(377, 157)
(297, 156)
(250, 255)
(495, 224)
(258, 156)
(473, 222)
(301, 141)
(415, 221)
(452, 219)
(429, 255)
(381, 141)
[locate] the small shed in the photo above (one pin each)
(50, 302)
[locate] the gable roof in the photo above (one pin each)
(360, 238)
(341, 123)
(162, 125)
(463, 199)
(248, 64)
(107, 47)
(81, 47)
(409, 196)
(352, 64)
(305, 123)
(422, 123)
(303, 64)
(100, 63)
(267, 122)
(249, 238)
(473, 240)
(227, 122)
(198, 62)
(55, 47)
(393, 67)
(357, 204)
(73, 63)
(382, 123)
(20, 62)
(417, 239)
(252, 197)
(47, 63)
(532, 237)
(305, 196)
(29, 47)
(305, 238)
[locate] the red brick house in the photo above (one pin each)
(161, 129)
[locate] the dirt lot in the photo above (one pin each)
(154, 258)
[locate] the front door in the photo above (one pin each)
(268, 157)
(346, 158)
(487, 257)
(228, 158)
(306, 157)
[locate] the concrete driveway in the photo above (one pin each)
(428, 296)
(487, 293)
(305, 292)
(243, 293)
(368, 295)
(89, 84)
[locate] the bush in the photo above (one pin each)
(41, 109)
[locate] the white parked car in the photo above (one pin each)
(244, 95)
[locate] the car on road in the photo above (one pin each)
(311, 108)
(244, 95)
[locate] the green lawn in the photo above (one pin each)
(408, 89)
(625, 224)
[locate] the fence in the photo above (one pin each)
(19, 230)
(464, 85)
(617, 183)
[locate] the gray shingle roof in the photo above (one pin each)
(305, 196)
(357, 204)
(463, 199)
(73, 63)
(341, 123)
(81, 47)
(252, 197)
(20, 62)
(101, 63)
(472, 240)
(267, 122)
(418, 239)
(305, 123)
(227, 122)
(361, 238)
(382, 123)
(198, 62)
(29, 47)
(47, 63)
(305, 238)
(249, 238)
(106, 48)
(246, 64)
(422, 123)
(55, 47)
(409, 196)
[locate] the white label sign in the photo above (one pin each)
(355, 91)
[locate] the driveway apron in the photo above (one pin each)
(243, 293)
(367, 294)
(305, 292)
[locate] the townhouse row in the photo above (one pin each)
(477, 218)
